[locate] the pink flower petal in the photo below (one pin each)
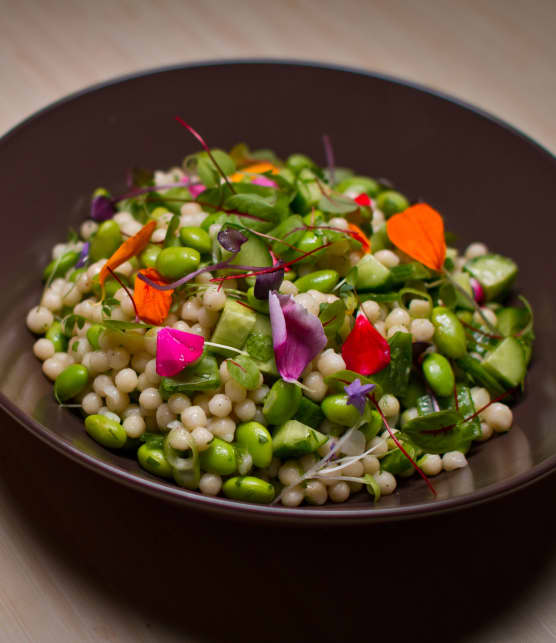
(297, 335)
(195, 189)
(264, 181)
(176, 349)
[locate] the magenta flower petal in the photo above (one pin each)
(260, 179)
(176, 349)
(297, 335)
(195, 189)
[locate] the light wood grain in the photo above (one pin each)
(497, 54)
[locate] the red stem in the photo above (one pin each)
(137, 318)
(482, 332)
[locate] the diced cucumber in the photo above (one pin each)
(307, 197)
(294, 439)
(379, 239)
(233, 327)
(282, 402)
(253, 253)
(479, 374)
(507, 362)
(464, 280)
(371, 274)
(309, 413)
(511, 320)
(259, 345)
(201, 375)
(495, 273)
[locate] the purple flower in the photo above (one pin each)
(231, 239)
(297, 335)
(357, 394)
(83, 256)
(267, 281)
(195, 189)
(102, 208)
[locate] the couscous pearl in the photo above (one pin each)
(371, 464)
(330, 362)
(378, 218)
(39, 319)
(259, 394)
(475, 250)
(202, 400)
(316, 385)
(158, 235)
(150, 399)
(200, 330)
(235, 391)
(164, 416)
(220, 405)
(396, 329)
(125, 269)
(223, 428)
(116, 401)
(398, 317)
(126, 380)
(127, 307)
(339, 491)
(208, 318)
(210, 484)
(88, 228)
(387, 258)
(379, 447)
(58, 250)
(422, 330)
(132, 409)
(339, 222)
(307, 461)
(150, 372)
(101, 383)
(204, 277)
(202, 437)
(109, 414)
(389, 405)
(489, 314)
(52, 367)
(134, 426)
(193, 416)
(71, 296)
(190, 208)
(178, 403)
(431, 464)
(380, 327)
(499, 416)
(386, 481)
(292, 497)
(178, 438)
(453, 460)
(43, 348)
(181, 325)
(372, 310)
(99, 361)
(139, 361)
(190, 310)
(288, 288)
(142, 382)
(486, 432)
(122, 217)
(480, 397)
(91, 403)
(172, 318)
(150, 341)
(259, 417)
(354, 469)
(245, 410)
(214, 299)
(305, 300)
(315, 492)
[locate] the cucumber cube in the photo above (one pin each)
(495, 273)
(507, 362)
(234, 326)
(294, 439)
(371, 274)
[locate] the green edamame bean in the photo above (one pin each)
(337, 410)
(321, 280)
(150, 255)
(298, 162)
(215, 217)
(360, 185)
(58, 267)
(173, 263)
(290, 276)
(93, 335)
(258, 304)
(219, 457)
(158, 212)
(439, 374)
(315, 217)
(71, 381)
(390, 202)
(309, 242)
(153, 461)
(76, 274)
(56, 335)
(371, 429)
(249, 489)
(106, 241)
(111, 286)
(282, 402)
(196, 238)
(465, 316)
(106, 431)
(255, 437)
(449, 335)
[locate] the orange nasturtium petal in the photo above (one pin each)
(152, 305)
(419, 232)
(257, 168)
(358, 234)
(129, 248)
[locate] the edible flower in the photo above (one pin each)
(365, 350)
(297, 335)
(357, 394)
(363, 199)
(419, 232)
(152, 305)
(129, 248)
(356, 233)
(175, 349)
(256, 168)
(102, 208)
(83, 255)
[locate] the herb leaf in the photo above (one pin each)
(244, 371)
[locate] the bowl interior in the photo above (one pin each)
(491, 184)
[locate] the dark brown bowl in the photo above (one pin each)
(490, 181)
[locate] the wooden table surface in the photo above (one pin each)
(82, 559)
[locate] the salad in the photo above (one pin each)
(275, 331)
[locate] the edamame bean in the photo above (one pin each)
(150, 255)
(176, 262)
(258, 442)
(282, 402)
(309, 242)
(106, 431)
(56, 335)
(249, 489)
(219, 457)
(76, 274)
(111, 286)
(298, 162)
(449, 335)
(93, 334)
(258, 304)
(106, 241)
(337, 410)
(152, 460)
(321, 280)
(389, 202)
(439, 374)
(196, 238)
(71, 381)
(360, 185)
(371, 429)
(59, 267)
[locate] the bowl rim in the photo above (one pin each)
(310, 515)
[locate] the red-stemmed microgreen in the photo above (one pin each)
(329, 154)
(480, 331)
(137, 319)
